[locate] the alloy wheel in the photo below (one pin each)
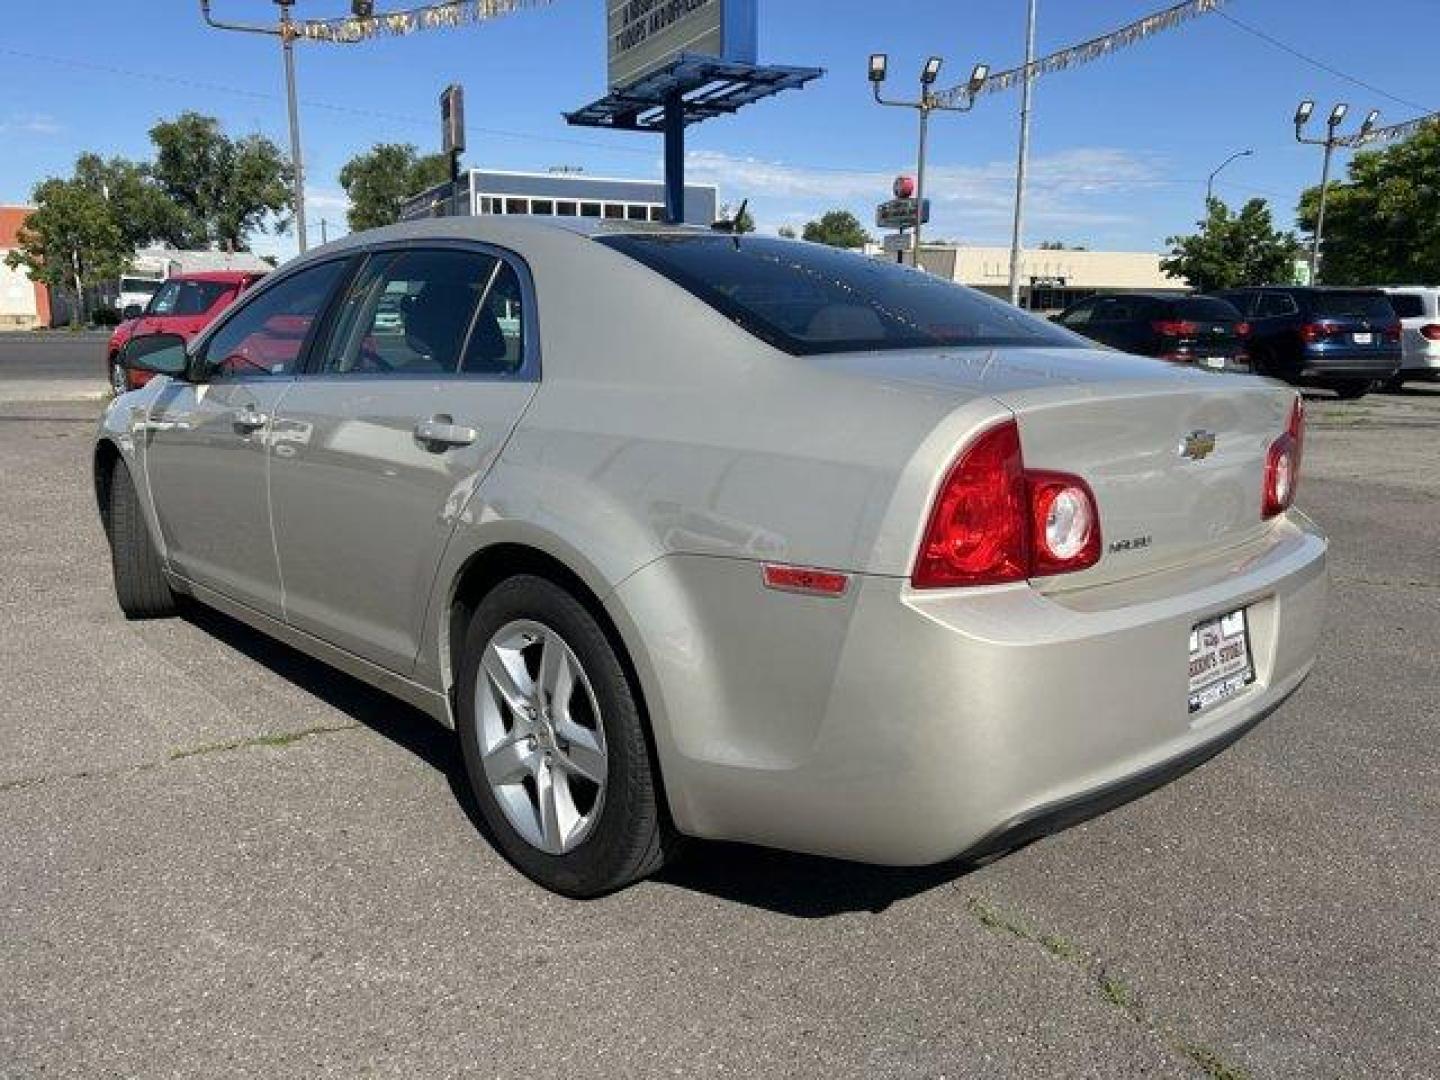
(540, 737)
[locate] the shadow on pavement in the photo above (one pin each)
(802, 886)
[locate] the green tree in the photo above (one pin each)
(788, 232)
(383, 177)
(224, 190)
(1383, 224)
(141, 211)
(744, 224)
(1233, 249)
(71, 240)
(838, 228)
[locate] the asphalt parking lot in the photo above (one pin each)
(220, 858)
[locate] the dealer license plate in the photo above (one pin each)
(1220, 664)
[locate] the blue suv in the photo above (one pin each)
(1341, 339)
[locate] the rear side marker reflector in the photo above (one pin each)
(805, 579)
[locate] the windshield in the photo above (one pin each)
(187, 297)
(1357, 305)
(807, 298)
(145, 286)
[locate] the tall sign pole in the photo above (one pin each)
(1022, 166)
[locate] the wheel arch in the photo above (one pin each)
(488, 566)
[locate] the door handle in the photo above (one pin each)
(250, 420)
(440, 432)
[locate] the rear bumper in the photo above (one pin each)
(1421, 364)
(1343, 364)
(929, 725)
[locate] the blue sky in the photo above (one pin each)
(1121, 147)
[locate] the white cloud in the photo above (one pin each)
(30, 124)
(1073, 189)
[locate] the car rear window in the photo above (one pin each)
(1206, 309)
(806, 298)
(1356, 305)
(1408, 305)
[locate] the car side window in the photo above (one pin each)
(265, 337)
(1079, 315)
(429, 313)
(1276, 305)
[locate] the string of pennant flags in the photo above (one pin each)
(1086, 51)
(1392, 133)
(438, 16)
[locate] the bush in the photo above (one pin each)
(105, 316)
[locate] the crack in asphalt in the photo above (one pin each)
(274, 740)
(1111, 987)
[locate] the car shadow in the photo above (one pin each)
(800, 886)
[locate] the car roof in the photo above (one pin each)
(229, 277)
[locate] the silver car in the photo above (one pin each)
(690, 534)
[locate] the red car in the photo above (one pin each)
(184, 305)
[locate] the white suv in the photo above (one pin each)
(1418, 307)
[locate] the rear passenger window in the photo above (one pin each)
(1275, 305)
(430, 313)
(1408, 305)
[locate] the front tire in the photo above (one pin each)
(140, 585)
(554, 744)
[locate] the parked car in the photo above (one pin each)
(183, 305)
(1418, 309)
(1341, 339)
(1197, 330)
(728, 537)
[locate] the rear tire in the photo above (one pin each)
(1351, 391)
(140, 585)
(520, 741)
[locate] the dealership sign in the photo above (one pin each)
(645, 35)
(898, 214)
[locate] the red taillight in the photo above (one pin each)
(1312, 332)
(1175, 328)
(1391, 333)
(1242, 329)
(1430, 331)
(1282, 463)
(995, 522)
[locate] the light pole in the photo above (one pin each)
(286, 32)
(1023, 164)
(1210, 181)
(927, 103)
(1329, 142)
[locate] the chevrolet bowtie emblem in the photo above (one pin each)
(1198, 445)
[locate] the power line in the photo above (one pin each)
(1322, 65)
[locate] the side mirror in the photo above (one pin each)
(131, 311)
(159, 354)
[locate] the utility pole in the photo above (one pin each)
(1023, 164)
(1329, 142)
(287, 33)
(927, 103)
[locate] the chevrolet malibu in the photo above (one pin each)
(690, 534)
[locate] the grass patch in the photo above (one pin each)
(1111, 987)
(280, 739)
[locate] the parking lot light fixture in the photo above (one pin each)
(925, 104)
(978, 75)
(1329, 142)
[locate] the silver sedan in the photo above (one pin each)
(689, 534)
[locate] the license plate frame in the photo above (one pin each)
(1216, 671)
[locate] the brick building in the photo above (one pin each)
(24, 304)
